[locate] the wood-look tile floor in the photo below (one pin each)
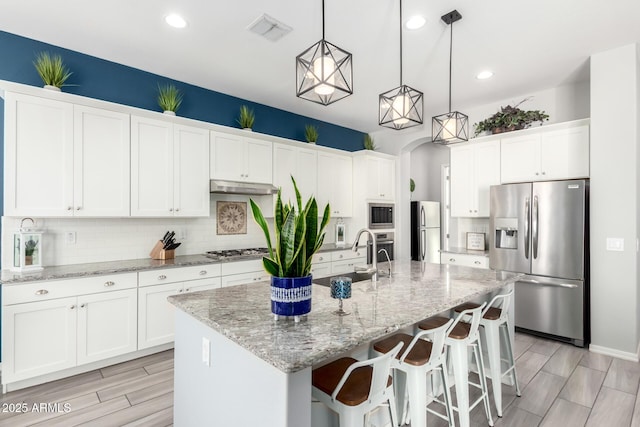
(561, 386)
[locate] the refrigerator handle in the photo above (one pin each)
(422, 217)
(534, 227)
(526, 228)
(423, 244)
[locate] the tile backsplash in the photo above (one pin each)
(461, 226)
(112, 239)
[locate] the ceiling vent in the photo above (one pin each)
(269, 28)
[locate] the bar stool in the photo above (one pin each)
(495, 320)
(353, 389)
(417, 358)
(460, 336)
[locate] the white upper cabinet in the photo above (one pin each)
(474, 168)
(169, 169)
(38, 174)
(378, 175)
(302, 164)
(240, 158)
(559, 152)
(335, 184)
(101, 162)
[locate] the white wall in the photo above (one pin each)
(614, 199)
(113, 239)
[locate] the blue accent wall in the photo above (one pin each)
(96, 78)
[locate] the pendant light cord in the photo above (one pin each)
(450, 55)
(400, 42)
(322, 19)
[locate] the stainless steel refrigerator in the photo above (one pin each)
(541, 229)
(425, 231)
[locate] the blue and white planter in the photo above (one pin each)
(291, 296)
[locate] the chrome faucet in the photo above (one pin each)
(388, 259)
(374, 267)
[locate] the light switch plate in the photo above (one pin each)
(615, 244)
(206, 352)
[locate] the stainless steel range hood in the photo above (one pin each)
(235, 187)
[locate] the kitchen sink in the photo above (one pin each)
(355, 277)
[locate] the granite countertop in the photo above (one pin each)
(464, 251)
(415, 292)
(8, 277)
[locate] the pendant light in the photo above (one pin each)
(324, 72)
(400, 108)
(453, 126)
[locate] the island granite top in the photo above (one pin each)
(415, 292)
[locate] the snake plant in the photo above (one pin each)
(51, 69)
(296, 232)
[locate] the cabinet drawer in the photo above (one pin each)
(321, 257)
(238, 267)
(347, 254)
(51, 289)
(465, 260)
(322, 269)
(347, 266)
(169, 275)
(245, 278)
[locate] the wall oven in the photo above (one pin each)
(381, 215)
(383, 241)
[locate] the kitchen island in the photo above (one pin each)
(236, 365)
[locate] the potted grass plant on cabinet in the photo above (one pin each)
(169, 99)
(51, 70)
(297, 237)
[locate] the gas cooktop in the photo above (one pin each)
(236, 253)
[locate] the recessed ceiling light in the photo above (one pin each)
(175, 21)
(415, 22)
(484, 75)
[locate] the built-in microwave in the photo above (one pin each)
(381, 215)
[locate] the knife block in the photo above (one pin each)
(158, 253)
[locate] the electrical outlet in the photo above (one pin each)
(615, 244)
(206, 352)
(182, 234)
(70, 237)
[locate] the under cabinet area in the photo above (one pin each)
(60, 324)
(169, 169)
(475, 167)
(240, 158)
(74, 162)
(558, 152)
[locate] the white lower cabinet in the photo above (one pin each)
(466, 260)
(155, 313)
(42, 335)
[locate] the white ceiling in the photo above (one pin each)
(530, 46)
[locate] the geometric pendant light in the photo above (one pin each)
(453, 126)
(400, 108)
(324, 72)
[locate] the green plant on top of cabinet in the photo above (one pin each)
(474, 168)
(335, 183)
(169, 169)
(51, 69)
(240, 158)
(246, 117)
(311, 134)
(169, 98)
(75, 162)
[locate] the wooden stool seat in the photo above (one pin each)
(492, 313)
(460, 331)
(419, 354)
(355, 390)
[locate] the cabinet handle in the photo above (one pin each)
(537, 174)
(109, 283)
(162, 277)
(69, 208)
(452, 259)
(186, 290)
(203, 272)
(179, 291)
(42, 292)
(544, 173)
(78, 208)
(341, 256)
(170, 209)
(477, 262)
(320, 258)
(72, 307)
(177, 209)
(83, 305)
